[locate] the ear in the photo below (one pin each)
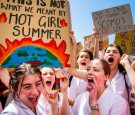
(107, 77)
(77, 61)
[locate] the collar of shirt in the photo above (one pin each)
(115, 78)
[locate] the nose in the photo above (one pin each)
(48, 75)
(111, 52)
(90, 72)
(35, 91)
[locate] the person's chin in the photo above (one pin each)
(48, 88)
(83, 67)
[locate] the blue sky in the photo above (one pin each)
(81, 17)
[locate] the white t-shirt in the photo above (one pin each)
(118, 85)
(77, 87)
(46, 106)
(109, 104)
(18, 108)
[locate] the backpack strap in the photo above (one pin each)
(124, 73)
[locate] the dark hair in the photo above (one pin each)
(54, 85)
(20, 73)
(87, 51)
(120, 67)
(106, 66)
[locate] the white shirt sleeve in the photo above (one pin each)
(72, 90)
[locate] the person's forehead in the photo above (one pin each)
(83, 53)
(94, 63)
(112, 48)
(30, 78)
(47, 69)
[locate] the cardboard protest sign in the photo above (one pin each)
(132, 43)
(126, 40)
(113, 20)
(36, 32)
(89, 42)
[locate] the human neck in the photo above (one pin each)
(113, 73)
(34, 110)
(100, 92)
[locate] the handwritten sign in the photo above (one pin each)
(36, 32)
(89, 42)
(113, 20)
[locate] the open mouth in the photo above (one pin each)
(48, 83)
(34, 101)
(110, 60)
(90, 80)
(83, 64)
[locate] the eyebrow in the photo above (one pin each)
(30, 84)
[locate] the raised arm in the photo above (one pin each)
(96, 45)
(76, 72)
(73, 40)
(130, 71)
(133, 64)
(4, 76)
(64, 109)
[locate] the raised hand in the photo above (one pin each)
(52, 98)
(72, 37)
(92, 89)
(124, 59)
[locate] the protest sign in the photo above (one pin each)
(89, 42)
(126, 40)
(113, 20)
(36, 32)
